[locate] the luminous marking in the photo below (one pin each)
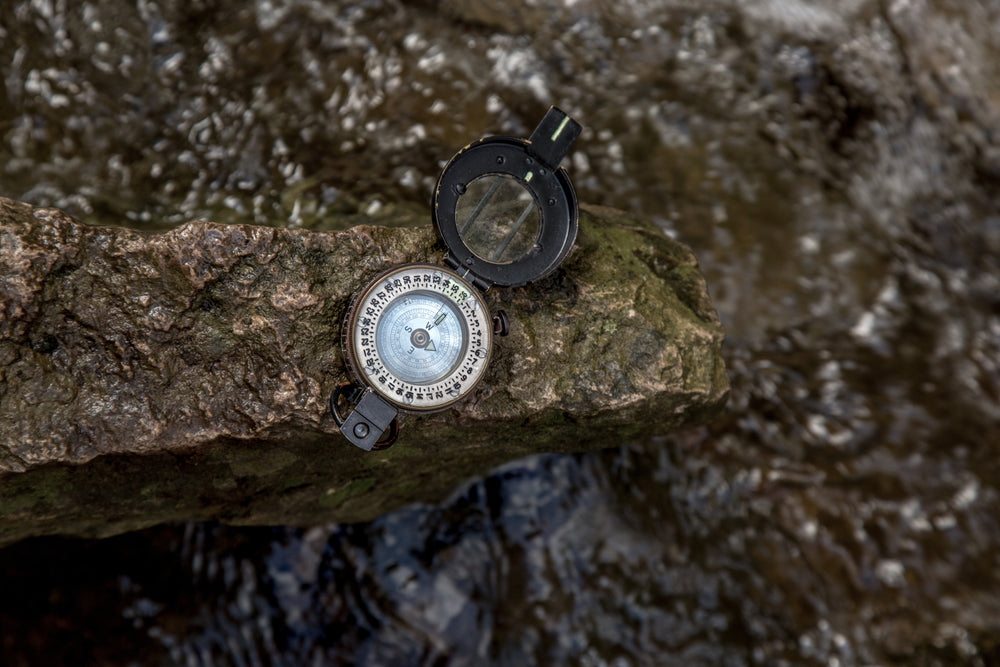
(560, 128)
(527, 177)
(440, 318)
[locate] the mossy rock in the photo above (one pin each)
(185, 375)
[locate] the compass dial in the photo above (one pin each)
(420, 336)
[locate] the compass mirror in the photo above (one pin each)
(498, 218)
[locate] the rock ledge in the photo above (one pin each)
(185, 374)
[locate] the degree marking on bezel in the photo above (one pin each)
(367, 359)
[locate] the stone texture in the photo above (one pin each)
(189, 370)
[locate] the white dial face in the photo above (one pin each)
(420, 336)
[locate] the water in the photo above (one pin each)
(835, 166)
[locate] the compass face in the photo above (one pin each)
(420, 336)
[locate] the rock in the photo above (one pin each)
(147, 377)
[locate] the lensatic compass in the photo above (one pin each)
(419, 337)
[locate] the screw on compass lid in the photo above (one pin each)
(505, 209)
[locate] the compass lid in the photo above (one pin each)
(505, 208)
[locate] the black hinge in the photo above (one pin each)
(466, 273)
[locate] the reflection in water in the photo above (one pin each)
(685, 551)
(834, 165)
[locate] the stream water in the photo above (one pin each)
(836, 168)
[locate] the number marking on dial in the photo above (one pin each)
(421, 338)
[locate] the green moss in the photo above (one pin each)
(551, 418)
(10, 505)
(263, 462)
(294, 481)
(44, 492)
(336, 497)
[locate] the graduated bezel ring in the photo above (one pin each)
(369, 369)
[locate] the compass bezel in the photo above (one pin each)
(373, 301)
(553, 193)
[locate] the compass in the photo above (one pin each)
(419, 337)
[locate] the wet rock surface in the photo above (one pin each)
(834, 166)
(222, 342)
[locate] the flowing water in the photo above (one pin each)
(834, 165)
